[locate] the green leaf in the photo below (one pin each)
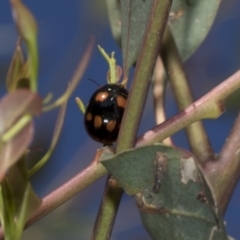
(134, 21)
(7, 209)
(15, 68)
(114, 15)
(190, 22)
(173, 197)
(26, 201)
(18, 201)
(27, 28)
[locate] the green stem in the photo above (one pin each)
(106, 216)
(132, 116)
(111, 63)
(159, 89)
(196, 133)
(17, 127)
(143, 74)
(33, 60)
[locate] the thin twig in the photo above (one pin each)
(197, 136)
(56, 198)
(208, 106)
(159, 87)
(89, 175)
(225, 172)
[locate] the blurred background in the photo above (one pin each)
(64, 32)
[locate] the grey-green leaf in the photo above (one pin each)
(173, 197)
(114, 16)
(190, 22)
(134, 20)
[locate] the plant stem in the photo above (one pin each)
(108, 209)
(56, 198)
(225, 172)
(17, 127)
(133, 112)
(196, 133)
(143, 74)
(94, 171)
(208, 106)
(159, 87)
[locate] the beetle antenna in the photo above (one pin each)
(94, 81)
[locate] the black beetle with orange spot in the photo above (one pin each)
(104, 112)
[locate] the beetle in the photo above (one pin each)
(103, 115)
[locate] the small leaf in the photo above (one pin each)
(14, 107)
(190, 22)
(114, 15)
(174, 200)
(11, 151)
(15, 67)
(25, 21)
(16, 104)
(18, 179)
(27, 28)
(7, 208)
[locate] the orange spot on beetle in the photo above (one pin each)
(97, 121)
(89, 117)
(121, 101)
(101, 96)
(111, 125)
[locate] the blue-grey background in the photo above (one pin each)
(64, 31)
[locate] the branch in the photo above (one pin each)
(159, 88)
(225, 172)
(94, 171)
(197, 136)
(208, 106)
(132, 116)
(56, 198)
